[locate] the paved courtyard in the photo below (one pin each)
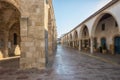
(69, 64)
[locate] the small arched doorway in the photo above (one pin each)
(117, 45)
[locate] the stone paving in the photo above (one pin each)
(109, 57)
(69, 64)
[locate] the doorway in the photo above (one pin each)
(117, 45)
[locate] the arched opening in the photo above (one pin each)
(76, 42)
(117, 44)
(67, 40)
(85, 39)
(63, 40)
(9, 29)
(15, 39)
(105, 30)
(71, 43)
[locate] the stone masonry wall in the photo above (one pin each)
(33, 30)
(110, 32)
(32, 34)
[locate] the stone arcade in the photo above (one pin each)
(98, 33)
(28, 29)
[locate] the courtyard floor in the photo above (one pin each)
(68, 64)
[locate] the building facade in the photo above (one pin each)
(27, 29)
(98, 33)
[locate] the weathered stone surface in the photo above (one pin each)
(69, 64)
(25, 31)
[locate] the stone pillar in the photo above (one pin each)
(73, 44)
(50, 41)
(79, 45)
(69, 43)
(32, 45)
(6, 43)
(91, 46)
(23, 33)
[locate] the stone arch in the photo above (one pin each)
(71, 40)
(76, 42)
(75, 35)
(9, 23)
(65, 39)
(68, 37)
(82, 29)
(15, 39)
(85, 38)
(71, 37)
(14, 3)
(97, 20)
(106, 25)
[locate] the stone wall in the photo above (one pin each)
(34, 33)
(30, 27)
(9, 25)
(110, 32)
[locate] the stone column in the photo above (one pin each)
(24, 50)
(50, 41)
(73, 44)
(6, 43)
(91, 46)
(79, 45)
(68, 43)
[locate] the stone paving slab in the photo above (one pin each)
(69, 64)
(113, 59)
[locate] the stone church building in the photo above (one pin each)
(28, 30)
(99, 33)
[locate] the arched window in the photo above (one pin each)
(15, 39)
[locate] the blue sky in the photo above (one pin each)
(69, 13)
